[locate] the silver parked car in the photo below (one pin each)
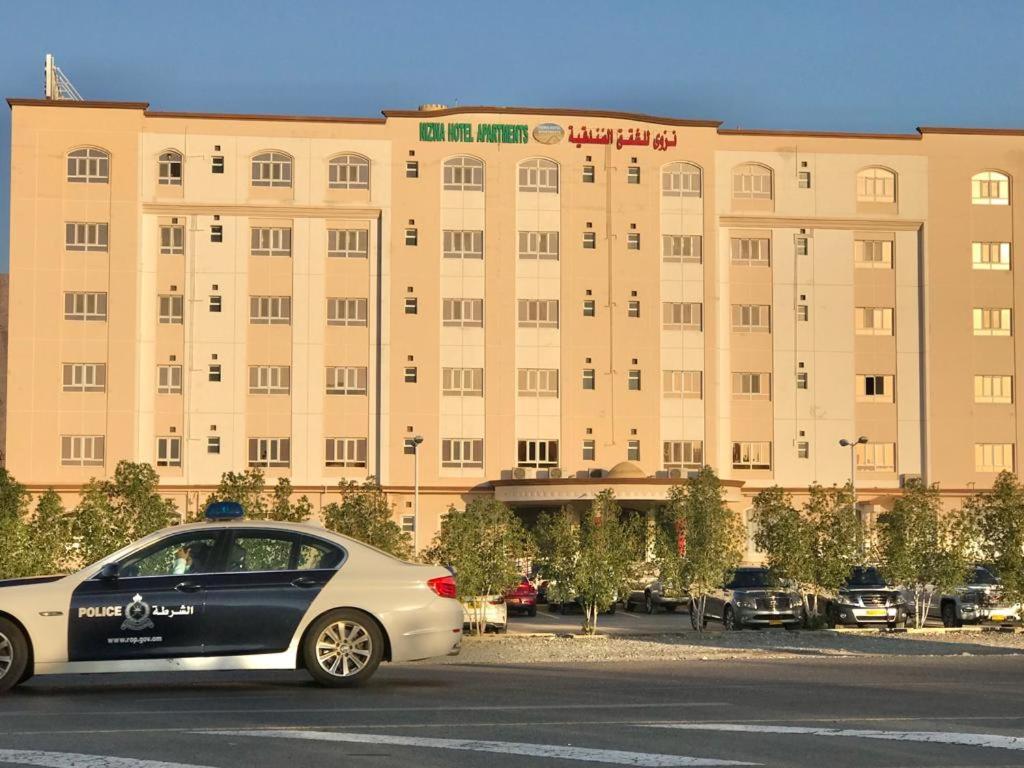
(866, 599)
(653, 593)
(754, 597)
(979, 600)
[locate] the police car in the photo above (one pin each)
(230, 594)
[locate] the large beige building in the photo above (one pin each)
(556, 301)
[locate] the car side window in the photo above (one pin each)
(316, 555)
(175, 556)
(260, 551)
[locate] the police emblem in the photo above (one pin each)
(136, 615)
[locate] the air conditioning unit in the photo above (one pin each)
(555, 473)
(904, 479)
(597, 473)
(518, 473)
(675, 474)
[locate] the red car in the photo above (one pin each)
(522, 598)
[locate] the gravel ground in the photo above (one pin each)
(506, 649)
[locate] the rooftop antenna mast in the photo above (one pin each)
(56, 85)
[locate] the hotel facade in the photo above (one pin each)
(555, 301)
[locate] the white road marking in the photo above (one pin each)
(934, 737)
(614, 756)
(75, 760)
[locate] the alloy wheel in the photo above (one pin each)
(6, 654)
(343, 648)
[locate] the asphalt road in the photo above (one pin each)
(649, 714)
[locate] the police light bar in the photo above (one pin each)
(224, 510)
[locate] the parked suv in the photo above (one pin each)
(865, 599)
(754, 597)
(653, 593)
(980, 599)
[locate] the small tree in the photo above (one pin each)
(49, 535)
(284, 509)
(837, 537)
(366, 515)
(248, 488)
(700, 540)
(786, 538)
(995, 523)
(482, 544)
(921, 548)
(14, 545)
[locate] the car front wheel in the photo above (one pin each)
(13, 655)
(729, 620)
(343, 648)
(949, 618)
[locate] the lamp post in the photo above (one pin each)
(416, 441)
(852, 445)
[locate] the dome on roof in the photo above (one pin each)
(626, 469)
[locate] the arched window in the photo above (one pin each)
(271, 169)
(680, 180)
(751, 181)
(88, 166)
(538, 175)
(170, 168)
(349, 172)
(990, 188)
(464, 174)
(876, 185)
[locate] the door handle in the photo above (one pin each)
(304, 582)
(187, 586)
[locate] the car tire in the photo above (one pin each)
(531, 611)
(792, 626)
(693, 619)
(344, 628)
(501, 629)
(14, 649)
(729, 620)
(949, 617)
(648, 604)
(627, 605)
(831, 616)
(611, 609)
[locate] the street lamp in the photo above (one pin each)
(416, 441)
(852, 445)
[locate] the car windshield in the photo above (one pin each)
(983, 575)
(755, 579)
(865, 577)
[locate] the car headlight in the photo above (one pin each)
(746, 602)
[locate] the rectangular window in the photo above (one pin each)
(216, 233)
(989, 389)
(589, 379)
(216, 303)
(683, 454)
(803, 450)
(270, 241)
(346, 380)
(874, 321)
(803, 179)
(348, 243)
(751, 318)
(168, 451)
(633, 450)
(412, 305)
(992, 322)
(993, 457)
(874, 388)
(84, 377)
(751, 251)
(589, 308)
(686, 384)
(633, 309)
(752, 455)
(82, 450)
(588, 174)
(345, 452)
(412, 169)
(802, 245)
(213, 445)
(872, 254)
(464, 174)
(462, 313)
(270, 310)
(802, 380)
(270, 451)
(682, 248)
(537, 453)
(168, 379)
(632, 241)
(589, 450)
(462, 382)
(994, 256)
(633, 174)
(214, 373)
(463, 244)
(633, 380)
(538, 176)
(682, 315)
(410, 374)
(538, 245)
(408, 523)
(752, 386)
(538, 382)
(217, 164)
(876, 457)
(346, 311)
(270, 379)
(803, 313)
(85, 236)
(590, 240)
(172, 240)
(172, 309)
(412, 236)
(538, 313)
(462, 453)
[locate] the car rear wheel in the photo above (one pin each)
(13, 655)
(648, 604)
(627, 605)
(693, 618)
(729, 620)
(949, 618)
(343, 648)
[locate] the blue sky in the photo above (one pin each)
(859, 66)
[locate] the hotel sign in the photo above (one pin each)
(485, 133)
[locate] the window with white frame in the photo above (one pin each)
(347, 311)
(753, 455)
(872, 254)
(993, 389)
(538, 175)
(680, 180)
(412, 305)
(463, 174)
(802, 380)
(348, 172)
(633, 379)
(82, 450)
(84, 377)
(632, 450)
(990, 188)
(589, 308)
(632, 241)
(752, 251)
(272, 169)
(993, 457)
(460, 452)
(588, 174)
(682, 248)
(589, 450)
(463, 244)
(462, 382)
(873, 321)
(633, 308)
(88, 166)
(172, 240)
(589, 240)
(803, 449)
(683, 454)
(538, 382)
(752, 182)
(876, 185)
(682, 315)
(270, 310)
(994, 256)
(345, 452)
(633, 174)
(412, 169)
(408, 523)
(270, 451)
(538, 245)
(270, 241)
(216, 303)
(802, 245)
(346, 380)
(751, 318)
(589, 378)
(803, 313)
(876, 457)
(270, 379)
(991, 321)
(803, 180)
(169, 168)
(537, 453)
(213, 444)
(686, 384)
(85, 306)
(538, 313)
(412, 236)
(875, 388)
(748, 385)
(168, 379)
(171, 308)
(85, 236)
(411, 374)
(168, 451)
(348, 243)
(462, 313)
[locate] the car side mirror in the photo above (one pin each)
(108, 572)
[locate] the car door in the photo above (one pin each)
(268, 580)
(149, 605)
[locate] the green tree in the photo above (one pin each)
(786, 538)
(49, 535)
(14, 545)
(921, 548)
(699, 541)
(284, 509)
(838, 543)
(483, 544)
(248, 488)
(366, 515)
(994, 520)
